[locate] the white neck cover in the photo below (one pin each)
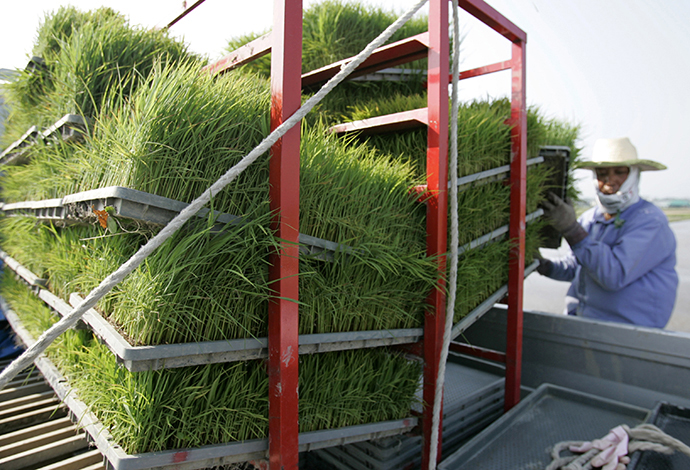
(627, 195)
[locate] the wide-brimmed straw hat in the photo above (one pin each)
(618, 152)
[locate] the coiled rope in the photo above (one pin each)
(612, 452)
(130, 265)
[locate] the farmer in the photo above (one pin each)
(623, 252)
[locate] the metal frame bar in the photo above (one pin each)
(476, 351)
(404, 120)
(492, 18)
(484, 70)
(518, 119)
(400, 52)
(518, 203)
(437, 212)
(283, 342)
(242, 55)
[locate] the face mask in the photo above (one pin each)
(627, 195)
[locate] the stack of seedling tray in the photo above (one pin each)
(473, 399)
(189, 325)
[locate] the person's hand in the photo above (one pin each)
(560, 215)
(545, 265)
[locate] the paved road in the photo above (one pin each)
(546, 295)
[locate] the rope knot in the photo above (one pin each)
(612, 451)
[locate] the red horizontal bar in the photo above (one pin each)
(476, 351)
(400, 52)
(240, 56)
(388, 123)
(497, 67)
(492, 18)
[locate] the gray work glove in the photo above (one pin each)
(545, 265)
(562, 217)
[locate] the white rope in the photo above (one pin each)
(645, 437)
(453, 275)
(130, 265)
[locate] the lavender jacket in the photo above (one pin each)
(624, 270)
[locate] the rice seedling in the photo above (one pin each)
(334, 30)
(86, 54)
(483, 270)
(23, 239)
(364, 291)
(49, 173)
(200, 286)
(212, 404)
(164, 128)
(355, 387)
(348, 195)
(351, 195)
(180, 131)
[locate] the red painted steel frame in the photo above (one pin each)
(400, 52)
(497, 67)
(518, 170)
(516, 231)
(389, 123)
(492, 18)
(242, 55)
(437, 209)
(286, 65)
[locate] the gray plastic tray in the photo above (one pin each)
(140, 358)
(488, 176)
(70, 127)
(494, 234)
(141, 207)
(195, 458)
(14, 151)
(674, 421)
(523, 437)
(472, 399)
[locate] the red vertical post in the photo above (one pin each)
(286, 88)
(437, 208)
(518, 190)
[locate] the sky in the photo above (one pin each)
(616, 68)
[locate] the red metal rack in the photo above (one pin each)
(285, 43)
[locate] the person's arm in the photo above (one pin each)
(645, 242)
(562, 217)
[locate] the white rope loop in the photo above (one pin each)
(645, 437)
(454, 241)
(130, 265)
